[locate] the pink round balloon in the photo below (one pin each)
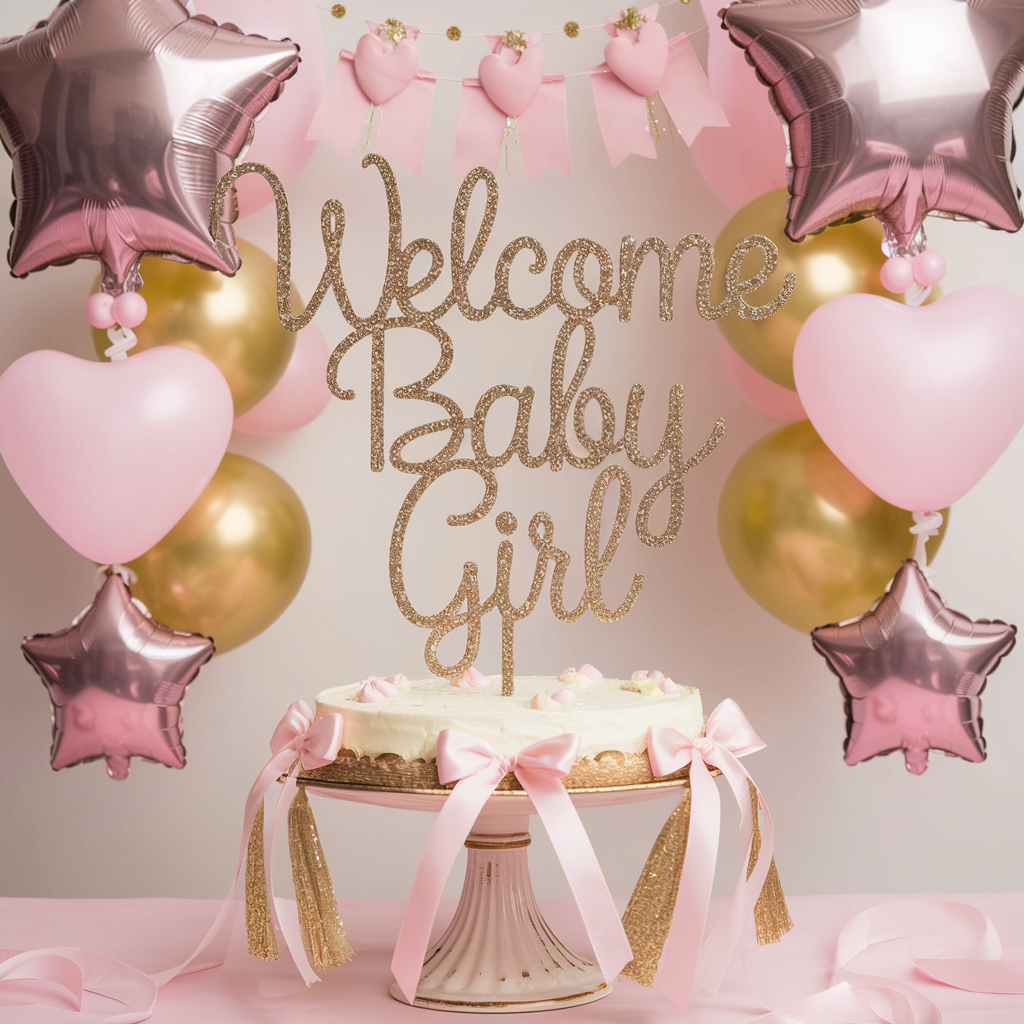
(280, 138)
(763, 394)
(99, 310)
(129, 309)
(748, 158)
(897, 274)
(112, 455)
(917, 402)
(299, 396)
(929, 268)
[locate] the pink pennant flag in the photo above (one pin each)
(640, 64)
(384, 79)
(513, 101)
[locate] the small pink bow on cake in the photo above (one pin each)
(642, 63)
(312, 744)
(476, 768)
(727, 737)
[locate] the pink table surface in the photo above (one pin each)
(153, 934)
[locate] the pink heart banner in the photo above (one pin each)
(639, 65)
(377, 78)
(513, 101)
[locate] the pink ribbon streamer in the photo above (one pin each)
(728, 737)
(296, 740)
(404, 119)
(684, 89)
(477, 768)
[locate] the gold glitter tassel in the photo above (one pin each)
(771, 915)
(648, 915)
(323, 934)
(258, 925)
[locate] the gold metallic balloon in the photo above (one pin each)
(235, 560)
(837, 261)
(804, 537)
(233, 321)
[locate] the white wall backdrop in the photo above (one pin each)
(175, 833)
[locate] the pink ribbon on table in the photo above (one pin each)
(953, 943)
(477, 768)
(727, 737)
(52, 985)
(623, 111)
(513, 101)
(375, 79)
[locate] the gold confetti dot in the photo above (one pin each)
(572, 29)
(515, 39)
(338, 11)
(631, 19)
(506, 523)
(394, 30)
(454, 33)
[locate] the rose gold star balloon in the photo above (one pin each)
(912, 671)
(116, 680)
(120, 117)
(895, 108)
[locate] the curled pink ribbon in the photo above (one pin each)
(727, 737)
(58, 979)
(477, 768)
(951, 942)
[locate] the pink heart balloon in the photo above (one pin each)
(512, 87)
(641, 64)
(112, 455)
(918, 403)
(383, 73)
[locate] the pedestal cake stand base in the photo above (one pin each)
(498, 954)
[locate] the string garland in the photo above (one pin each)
(631, 18)
(571, 29)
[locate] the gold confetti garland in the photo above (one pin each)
(467, 606)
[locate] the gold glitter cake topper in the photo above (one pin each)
(571, 401)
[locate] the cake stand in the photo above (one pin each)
(499, 955)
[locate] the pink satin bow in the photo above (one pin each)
(727, 737)
(477, 768)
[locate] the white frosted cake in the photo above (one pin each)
(391, 725)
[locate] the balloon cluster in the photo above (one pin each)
(905, 404)
(126, 459)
